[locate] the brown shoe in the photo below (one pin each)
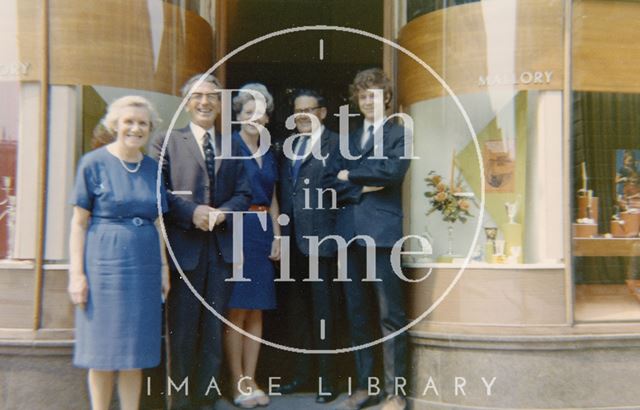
(394, 402)
(354, 402)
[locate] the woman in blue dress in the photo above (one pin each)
(260, 248)
(118, 273)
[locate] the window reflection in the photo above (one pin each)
(606, 135)
(8, 152)
(416, 8)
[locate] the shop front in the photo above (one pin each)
(537, 290)
(530, 291)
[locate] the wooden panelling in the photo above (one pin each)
(110, 43)
(606, 50)
(468, 42)
(29, 38)
(486, 296)
(606, 246)
(58, 312)
(16, 298)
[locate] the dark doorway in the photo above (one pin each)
(292, 61)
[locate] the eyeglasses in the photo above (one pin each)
(210, 97)
(306, 110)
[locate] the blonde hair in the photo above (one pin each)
(242, 98)
(110, 120)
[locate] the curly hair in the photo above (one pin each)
(371, 78)
(110, 120)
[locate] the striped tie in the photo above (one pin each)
(297, 163)
(210, 161)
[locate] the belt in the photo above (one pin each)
(258, 208)
(135, 221)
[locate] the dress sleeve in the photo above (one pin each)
(83, 190)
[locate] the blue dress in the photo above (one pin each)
(120, 327)
(260, 292)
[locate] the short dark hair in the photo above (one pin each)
(307, 92)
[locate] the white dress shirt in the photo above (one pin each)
(315, 138)
(364, 138)
(199, 132)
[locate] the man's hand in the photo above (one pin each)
(343, 175)
(366, 189)
(201, 217)
(218, 215)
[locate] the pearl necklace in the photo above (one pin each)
(131, 171)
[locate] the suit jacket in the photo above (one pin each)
(376, 214)
(312, 221)
(184, 169)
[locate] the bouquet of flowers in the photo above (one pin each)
(448, 199)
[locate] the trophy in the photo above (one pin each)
(512, 210)
(512, 234)
(491, 233)
(500, 256)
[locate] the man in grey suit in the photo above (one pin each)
(309, 208)
(370, 195)
(199, 183)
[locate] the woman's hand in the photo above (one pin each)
(78, 288)
(166, 285)
(275, 250)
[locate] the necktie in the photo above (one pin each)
(295, 166)
(368, 136)
(210, 161)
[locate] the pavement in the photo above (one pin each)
(299, 401)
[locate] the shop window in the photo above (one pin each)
(506, 77)
(605, 160)
(606, 211)
(8, 153)
(519, 146)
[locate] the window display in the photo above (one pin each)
(8, 153)
(606, 214)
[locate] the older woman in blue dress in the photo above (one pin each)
(118, 274)
(249, 299)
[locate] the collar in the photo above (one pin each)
(376, 125)
(199, 132)
(315, 136)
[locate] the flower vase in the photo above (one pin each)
(449, 256)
